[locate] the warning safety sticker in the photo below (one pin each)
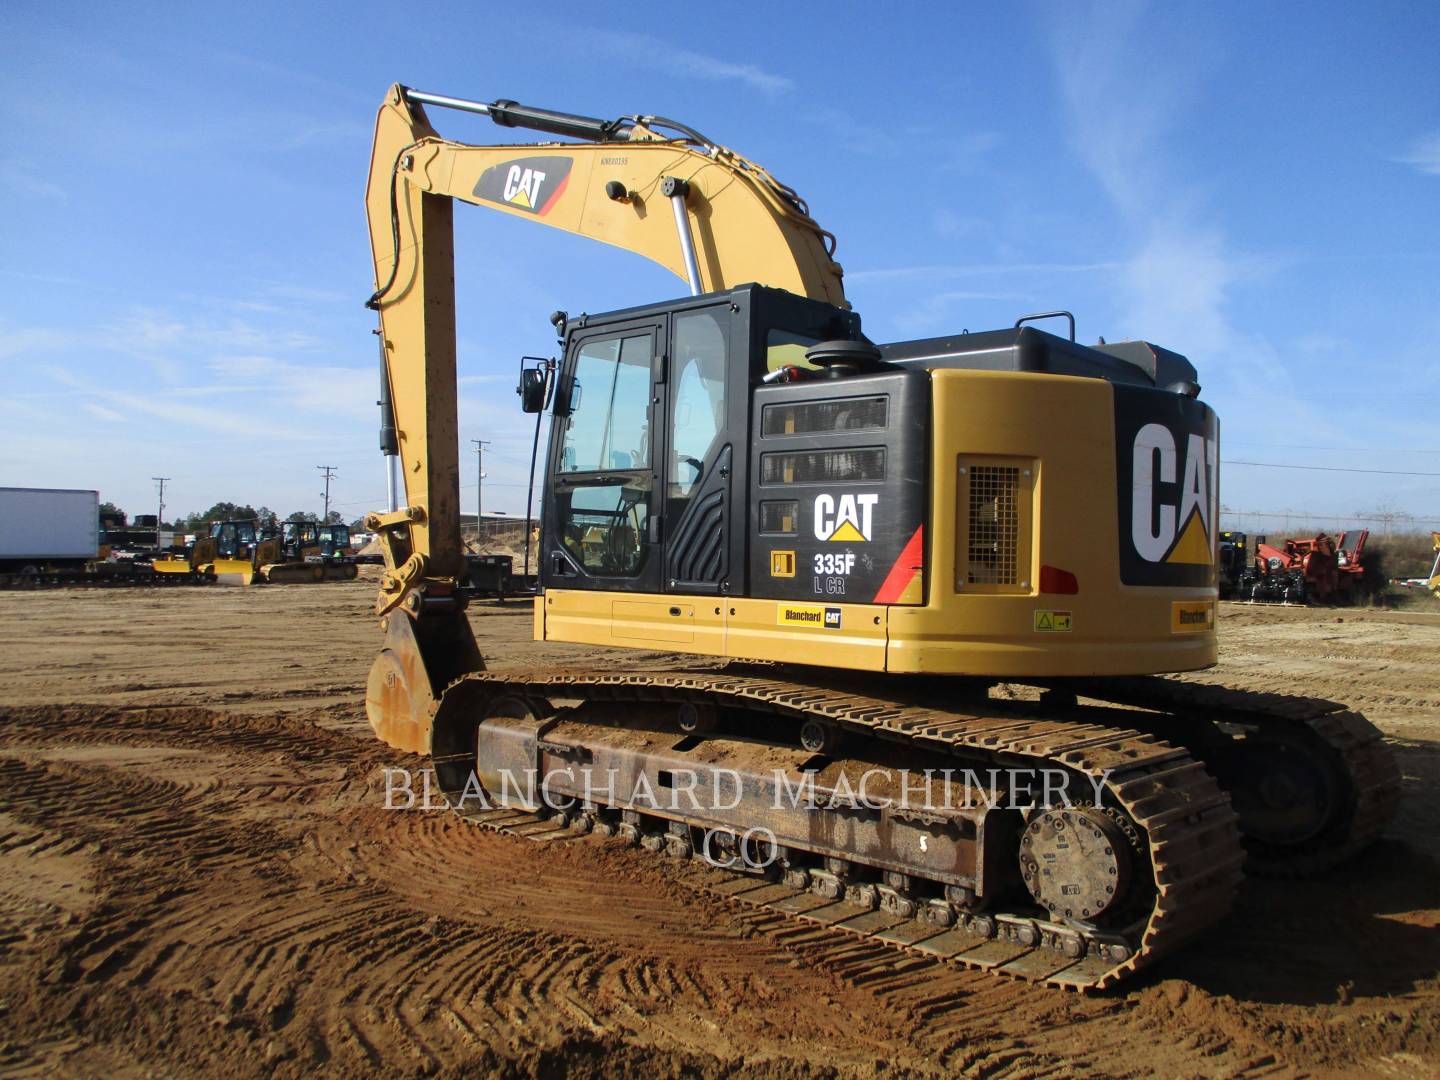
(1052, 622)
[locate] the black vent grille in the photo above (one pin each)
(865, 466)
(994, 542)
(697, 552)
(779, 518)
(819, 417)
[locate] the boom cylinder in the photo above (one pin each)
(389, 443)
(675, 189)
(512, 114)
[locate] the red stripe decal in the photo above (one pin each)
(559, 190)
(911, 560)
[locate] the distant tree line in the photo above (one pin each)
(228, 511)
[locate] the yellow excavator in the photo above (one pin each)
(971, 556)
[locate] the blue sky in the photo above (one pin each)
(185, 254)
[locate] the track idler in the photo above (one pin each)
(1311, 781)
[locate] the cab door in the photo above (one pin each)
(601, 524)
(705, 386)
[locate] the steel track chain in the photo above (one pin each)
(1367, 764)
(1193, 841)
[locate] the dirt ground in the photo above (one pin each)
(198, 876)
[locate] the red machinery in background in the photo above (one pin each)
(1318, 569)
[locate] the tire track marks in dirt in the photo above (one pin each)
(248, 906)
(245, 921)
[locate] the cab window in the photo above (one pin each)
(605, 528)
(608, 426)
(698, 414)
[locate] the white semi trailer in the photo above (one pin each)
(45, 529)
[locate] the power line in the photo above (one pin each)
(1329, 468)
(329, 471)
(1330, 515)
(1336, 449)
(480, 445)
(160, 514)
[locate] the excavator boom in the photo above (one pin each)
(629, 185)
(621, 189)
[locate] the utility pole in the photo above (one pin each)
(480, 445)
(329, 471)
(160, 514)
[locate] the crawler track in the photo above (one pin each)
(1189, 829)
(1217, 716)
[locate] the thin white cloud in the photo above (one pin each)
(968, 152)
(100, 412)
(327, 389)
(948, 222)
(159, 407)
(1175, 284)
(1182, 272)
(25, 180)
(306, 134)
(1424, 154)
(643, 50)
(303, 294)
(930, 272)
(934, 314)
(149, 329)
(25, 343)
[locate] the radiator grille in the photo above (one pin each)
(994, 541)
(823, 467)
(813, 417)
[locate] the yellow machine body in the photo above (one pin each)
(1059, 430)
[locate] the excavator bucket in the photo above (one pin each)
(419, 659)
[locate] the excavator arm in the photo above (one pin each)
(649, 185)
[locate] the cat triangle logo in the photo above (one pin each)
(532, 184)
(845, 518)
(1193, 546)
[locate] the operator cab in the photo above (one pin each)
(652, 446)
(676, 421)
(334, 540)
(233, 539)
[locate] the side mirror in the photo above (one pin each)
(536, 383)
(532, 390)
